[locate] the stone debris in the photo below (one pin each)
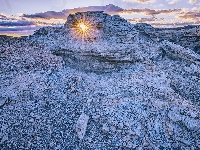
(2, 102)
(141, 91)
(105, 128)
(81, 125)
(4, 139)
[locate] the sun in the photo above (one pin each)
(83, 27)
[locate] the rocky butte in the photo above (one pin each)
(99, 82)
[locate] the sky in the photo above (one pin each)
(23, 17)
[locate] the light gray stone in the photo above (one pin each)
(81, 125)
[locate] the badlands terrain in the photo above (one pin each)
(99, 82)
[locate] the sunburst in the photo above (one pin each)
(83, 29)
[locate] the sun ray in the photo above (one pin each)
(83, 30)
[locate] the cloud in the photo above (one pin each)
(176, 24)
(18, 29)
(195, 16)
(192, 1)
(173, 2)
(140, 1)
(47, 15)
(26, 22)
(183, 17)
(3, 17)
(111, 9)
(151, 12)
(152, 19)
(17, 23)
(156, 17)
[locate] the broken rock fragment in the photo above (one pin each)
(82, 125)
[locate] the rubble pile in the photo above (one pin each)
(115, 89)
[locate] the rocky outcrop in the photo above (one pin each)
(117, 88)
(110, 43)
(188, 36)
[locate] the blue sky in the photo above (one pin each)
(24, 16)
